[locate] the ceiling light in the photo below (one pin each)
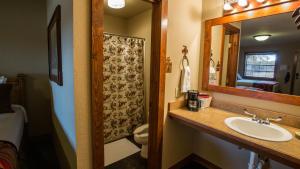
(243, 3)
(261, 1)
(116, 4)
(227, 6)
(262, 37)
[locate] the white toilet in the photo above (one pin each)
(141, 137)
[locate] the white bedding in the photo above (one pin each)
(12, 125)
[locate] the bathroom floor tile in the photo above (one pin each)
(134, 161)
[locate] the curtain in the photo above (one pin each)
(123, 88)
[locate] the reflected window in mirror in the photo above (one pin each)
(260, 65)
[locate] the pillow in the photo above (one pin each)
(5, 101)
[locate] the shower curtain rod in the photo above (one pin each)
(124, 36)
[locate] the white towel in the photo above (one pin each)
(3, 80)
(185, 79)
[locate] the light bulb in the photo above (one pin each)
(243, 3)
(261, 1)
(227, 6)
(116, 4)
(262, 37)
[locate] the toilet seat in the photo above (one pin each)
(145, 135)
(141, 130)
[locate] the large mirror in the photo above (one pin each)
(261, 54)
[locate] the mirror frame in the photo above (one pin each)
(258, 13)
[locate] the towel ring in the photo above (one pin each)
(185, 51)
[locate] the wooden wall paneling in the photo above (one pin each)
(157, 86)
(97, 84)
(262, 12)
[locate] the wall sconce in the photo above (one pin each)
(243, 3)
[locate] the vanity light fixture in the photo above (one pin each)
(227, 6)
(243, 3)
(116, 4)
(262, 38)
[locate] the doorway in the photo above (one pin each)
(157, 82)
(233, 35)
(295, 84)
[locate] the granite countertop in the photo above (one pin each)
(211, 120)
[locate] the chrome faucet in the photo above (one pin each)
(254, 117)
(266, 121)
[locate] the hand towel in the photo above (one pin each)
(185, 79)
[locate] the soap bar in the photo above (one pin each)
(297, 134)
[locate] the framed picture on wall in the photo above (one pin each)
(54, 47)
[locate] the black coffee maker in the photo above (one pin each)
(192, 101)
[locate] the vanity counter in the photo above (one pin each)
(211, 120)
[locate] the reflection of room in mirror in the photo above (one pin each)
(258, 54)
(126, 69)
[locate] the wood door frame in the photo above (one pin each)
(234, 35)
(226, 27)
(263, 12)
(294, 71)
(157, 86)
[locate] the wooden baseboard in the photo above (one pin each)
(194, 159)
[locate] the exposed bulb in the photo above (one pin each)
(243, 3)
(116, 4)
(261, 1)
(227, 6)
(262, 38)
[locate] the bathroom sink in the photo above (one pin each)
(269, 132)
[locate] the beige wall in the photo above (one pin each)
(72, 101)
(82, 81)
(184, 28)
(23, 49)
(116, 25)
(140, 26)
(63, 96)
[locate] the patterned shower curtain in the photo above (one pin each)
(123, 88)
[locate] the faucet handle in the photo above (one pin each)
(250, 114)
(278, 119)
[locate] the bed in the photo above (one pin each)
(12, 125)
(270, 86)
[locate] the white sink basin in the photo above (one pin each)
(253, 129)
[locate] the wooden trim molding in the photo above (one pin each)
(157, 86)
(262, 12)
(97, 84)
